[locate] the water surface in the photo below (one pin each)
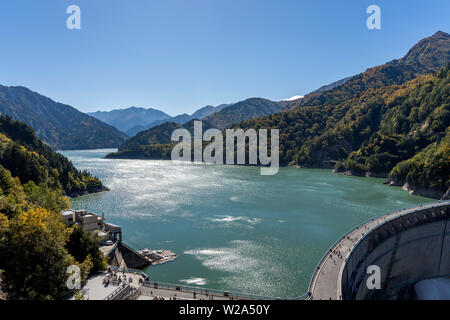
(232, 228)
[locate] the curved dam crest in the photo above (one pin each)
(393, 242)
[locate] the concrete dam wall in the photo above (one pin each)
(409, 248)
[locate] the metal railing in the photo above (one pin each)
(123, 289)
(127, 270)
(133, 294)
(205, 291)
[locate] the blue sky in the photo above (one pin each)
(179, 55)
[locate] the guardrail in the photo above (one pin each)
(134, 294)
(119, 291)
(126, 270)
(205, 291)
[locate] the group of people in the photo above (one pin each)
(116, 279)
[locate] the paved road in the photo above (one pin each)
(326, 283)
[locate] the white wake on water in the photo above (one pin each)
(196, 281)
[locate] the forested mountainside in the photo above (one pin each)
(243, 110)
(59, 125)
(26, 157)
(223, 115)
(36, 246)
(427, 56)
(373, 133)
(390, 121)
(369, 134)
(247, 109)
(154, 143)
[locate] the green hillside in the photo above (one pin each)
(367, 125)
(428, 55)
(29, 159)
(36, 246)
(154, 143)
(370, 133)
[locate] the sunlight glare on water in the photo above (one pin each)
(233, 229)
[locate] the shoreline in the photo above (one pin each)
(418, 191)
(86, 193)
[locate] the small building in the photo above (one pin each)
(92, 223)
(114, 230)
(69, 216)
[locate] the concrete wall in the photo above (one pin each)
(132, 258)
(410, 248)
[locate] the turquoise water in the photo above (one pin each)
(232, 228)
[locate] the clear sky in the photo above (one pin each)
(180, 55)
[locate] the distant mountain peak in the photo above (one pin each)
(440, 33)
(432, 52)
(426, 56)
(124, 119)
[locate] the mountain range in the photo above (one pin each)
(133, 120)
(125, 119)
(59, 125)
(227, 116)
(428, 55)
(390, 121)
(63, 127)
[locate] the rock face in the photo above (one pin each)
(426, 192)
(376, 174)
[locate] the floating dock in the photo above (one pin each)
(158, 256)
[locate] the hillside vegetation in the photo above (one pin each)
(243, 110)
(371, 133)
(221, 117)
(155, 143)
(36, 247)
(368, 134)
(29, 159)
(382, 122)
(428, 55)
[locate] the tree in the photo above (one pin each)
(83, 246)
(33, 256)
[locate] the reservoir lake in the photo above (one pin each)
(233, 229)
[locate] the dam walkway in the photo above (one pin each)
(326, 280)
